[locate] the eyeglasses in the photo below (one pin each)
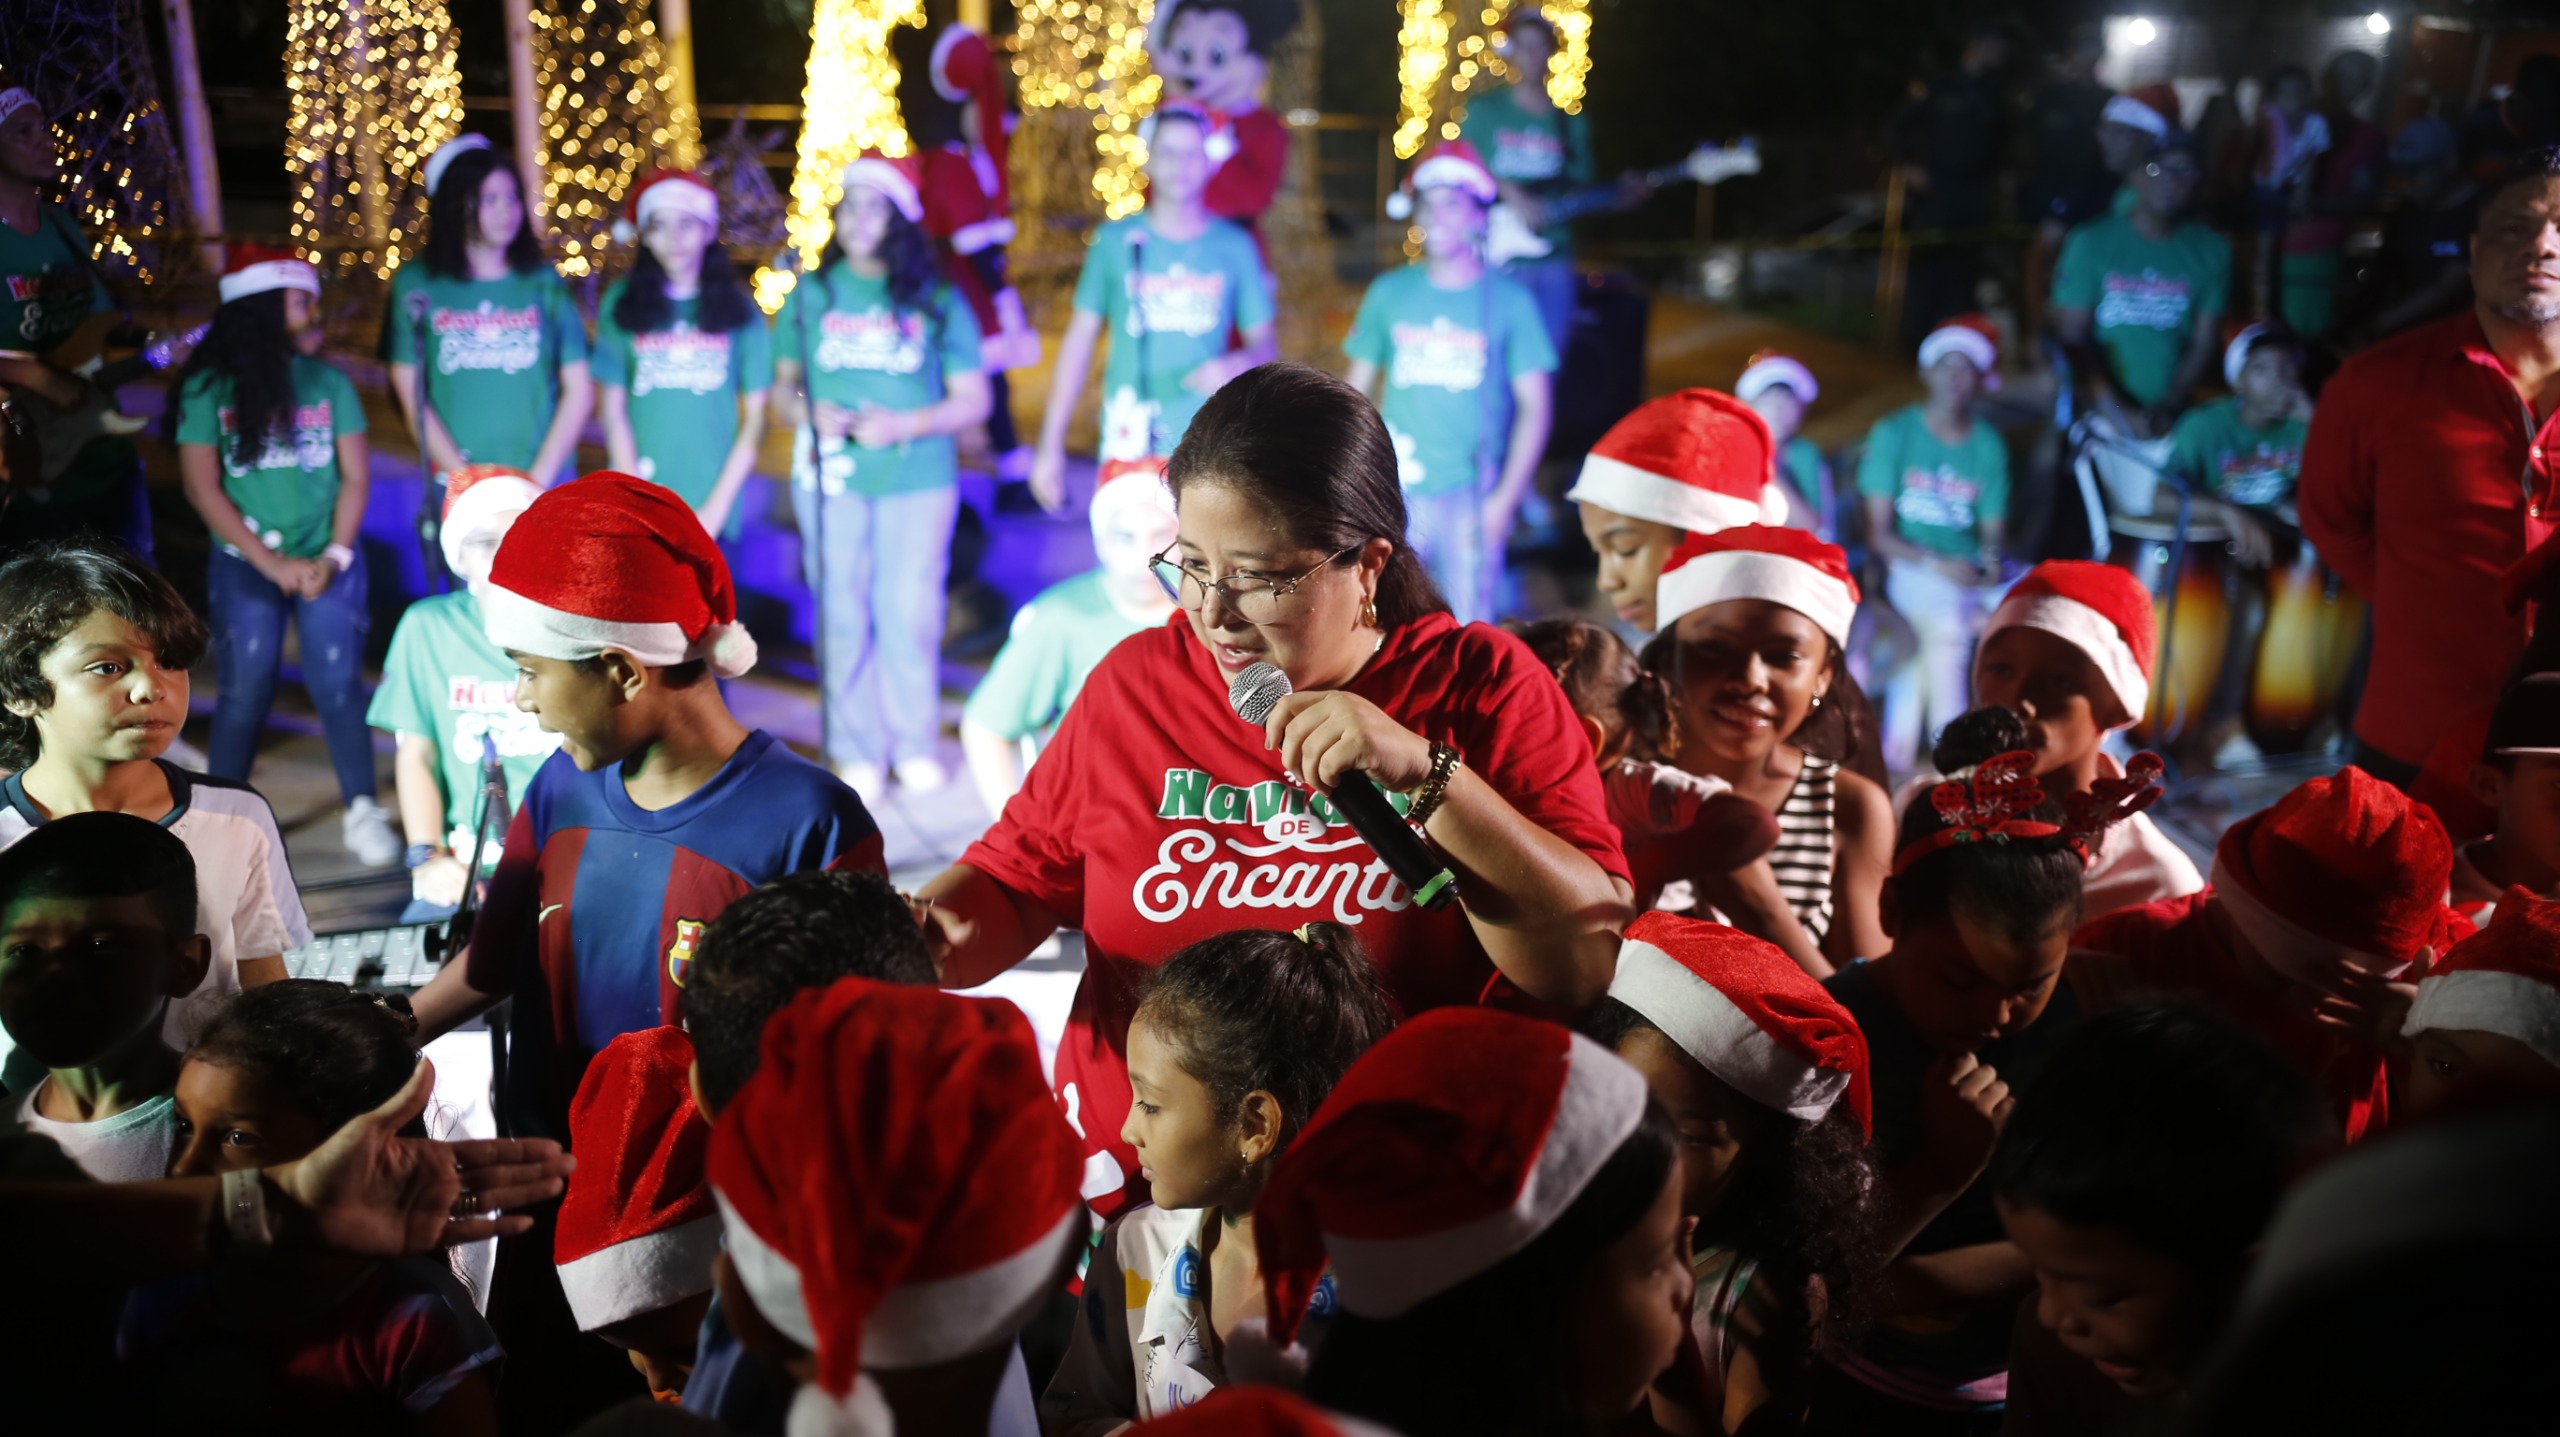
(1256, 598)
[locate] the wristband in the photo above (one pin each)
(244, 1210)
(340, 555)
(1426, 799)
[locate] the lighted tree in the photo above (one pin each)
(374, 91)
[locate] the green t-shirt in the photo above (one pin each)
(871, 353)
(1445, 359)
(1175, 301)
(2145, 294)
(51, 289)
(494, 351)
(1942, 493)
(1545, 150)
(289, 492)
(1800, 460)
(443, 680)
(1056, 640)
(2222, 456)
(685, 387)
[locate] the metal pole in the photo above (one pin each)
(527, 114)
(195, 129)
(684, 118)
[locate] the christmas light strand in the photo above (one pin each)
(601, 77)
(1092, 55)
(89, 64)
(373, 90)
(1444, 58)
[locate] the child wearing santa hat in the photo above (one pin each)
(448, 698)
(1754, 624)
(1463, 374)
(1964, 1009)
(1765, 1076)
(899, 1195)
(2070, 651)
(1232, 1051)
(271, 449)
(877, 362)
(1690, 462)
(487, 348)
(1779, 388)
(660, 807)
(1498, 1201)
(1935, 482)
(683, 359)
(1171, 284)
(1060, 636)
(2327, 897)
(2138, 1180)
(2484, 1028)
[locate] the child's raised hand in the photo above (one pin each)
(1963, 1104)
(370, 1192)
(2367, 1006)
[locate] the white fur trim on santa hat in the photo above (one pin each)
(2235, 355)
(985, 234)
(1456, 172)
(2126, 110)
(270, 274)
(2289, 948)
(2480, 1000)
(513, 621)
(889, 180)
(863, 1412)
(677, 194)
(487, 504)
(2090, 632)
(1776, 370)
(938, 69)
(919, 1324)
(1602, 1102)
(1136, 489)
(446, 153)
(14, 99)
(1749, 574)
(1722, 1038)
(770, 1278)
(1961, 339)
(1642, 494)
(641, 1274)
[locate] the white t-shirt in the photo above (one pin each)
(131, 1147)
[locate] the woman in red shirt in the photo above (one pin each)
(1156, 817)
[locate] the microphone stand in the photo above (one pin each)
(493, 811)
(817, 487)
(1138, 329)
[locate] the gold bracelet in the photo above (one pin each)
(1426, 799)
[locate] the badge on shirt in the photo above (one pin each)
(680, 956)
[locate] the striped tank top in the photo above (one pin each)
(1803, 858)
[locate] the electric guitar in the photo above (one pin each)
(38, 438)
(1508, 236)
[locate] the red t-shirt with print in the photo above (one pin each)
(1156, 818)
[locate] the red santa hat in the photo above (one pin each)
(1742, 1010)
(481, 501)
(1972, 335)
(1696, 460)
(1127, 484)
(1759, 561)
(257, 268)
(614, 562)
(1252, 1410)
(2344, 869)
(637, 1229)
(1455, 164)
(897, 176)
(1449, 1146)
(2152, 109)
(2505, 979)
(898, 1186)
(2099, 609)
(670, 191)
(1768, 369)
(964, 68)
(448, 152)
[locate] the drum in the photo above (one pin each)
(2193, 640)
(2313, 621)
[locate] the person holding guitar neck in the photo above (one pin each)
(48, 290)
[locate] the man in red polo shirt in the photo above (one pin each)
(2433, 464)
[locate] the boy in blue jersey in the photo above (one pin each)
(660, 808)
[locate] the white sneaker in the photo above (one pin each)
(863, 777)
(921, 774)
(368, 832)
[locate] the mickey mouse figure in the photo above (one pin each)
(1217, 53)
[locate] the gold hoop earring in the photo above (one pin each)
(1369, 612)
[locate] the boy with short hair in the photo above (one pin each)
(2516, 778)
(97, 941)
(1463, 373)
(94, 652)
(660, 808)
(1172, 283)
(2138, 1176)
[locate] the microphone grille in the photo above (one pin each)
(1256, 691)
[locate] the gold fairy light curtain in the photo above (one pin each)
(1445, 53)
(607, 116)
(88, 63)
(374, 91)
(850, 105)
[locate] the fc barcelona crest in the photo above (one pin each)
(680, 956)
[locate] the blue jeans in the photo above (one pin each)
(248, 616)
(880, 614)
(1550, 283)
(1447, 533)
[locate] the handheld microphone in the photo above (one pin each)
(1254, 694)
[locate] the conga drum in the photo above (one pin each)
(2194, 636)
(2312, 623)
